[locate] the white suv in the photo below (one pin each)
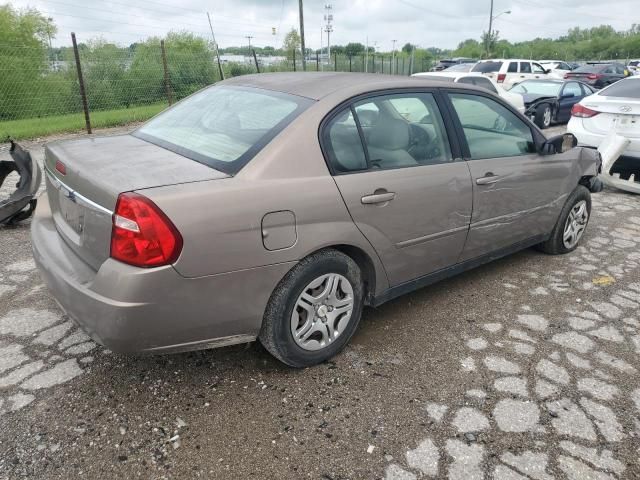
(508, 72)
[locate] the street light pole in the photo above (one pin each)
(393, 55)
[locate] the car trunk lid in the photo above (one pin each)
(84, 178)
(618, 115)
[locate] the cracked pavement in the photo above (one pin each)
(526, 368)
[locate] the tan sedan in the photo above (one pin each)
(277, 206)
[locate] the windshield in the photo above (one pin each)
(548, 89)
(486, 67)
(223, 127)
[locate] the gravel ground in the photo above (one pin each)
(526, 368)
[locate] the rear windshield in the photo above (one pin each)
(628, 88)
(590, 68)
(487, 67)
(223, 126)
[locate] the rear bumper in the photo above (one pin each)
(131, 309)
(593, 140)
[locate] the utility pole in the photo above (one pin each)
(304, 59)
(393, 55)
(328, 17)
(366, 56)
(215, 47)
(321, 41)
(488, 42)
(249, 37)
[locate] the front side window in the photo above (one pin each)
(223, 126)
(491, 130)
(525, 67)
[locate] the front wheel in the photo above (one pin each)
(543, 116)
(571, 224)
(314, 310)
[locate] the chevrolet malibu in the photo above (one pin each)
(277, 206)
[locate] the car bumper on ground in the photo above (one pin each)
(129, 309)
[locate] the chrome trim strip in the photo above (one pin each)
(75, 196)
(433, 236)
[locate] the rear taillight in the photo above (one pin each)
(142, 235)
(593, 76)
(566, 75)
(61, 167)
(501, 77)
(581, 111)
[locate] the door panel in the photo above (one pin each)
(423, 227)
(520, 202)
(565, 104)
(411, 200)
(516, 192)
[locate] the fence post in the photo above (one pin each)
(167, 86)
(317, 61)
(382, 63)
(255, 59)
(402, 65)
(294, 59)
(349, 62)
(335, 61)
(391, 65)
(83, 93)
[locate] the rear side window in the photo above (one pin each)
(343, 144)
(513, 67)
(387, 132)
(223, 126)
(487, 67)
(525, 67)
(491, 130)
(629, 88)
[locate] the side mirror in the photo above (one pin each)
(559, 144)
(568, 95)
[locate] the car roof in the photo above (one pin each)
(508, 60)
(317, 85)
(449, 74)
(544, 80)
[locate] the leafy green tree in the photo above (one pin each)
(353, 49)
(292, 43)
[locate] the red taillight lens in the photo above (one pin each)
(61, 167)
(593, 76)
(566, 75)
(502, 77)
(142, 235)
(582, 112)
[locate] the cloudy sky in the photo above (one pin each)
(423, 22)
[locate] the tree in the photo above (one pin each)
(291, 43)
(353, 49)
(408, 47)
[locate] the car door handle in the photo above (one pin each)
(488, 179)
(378, 197)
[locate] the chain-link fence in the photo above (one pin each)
(43, 91)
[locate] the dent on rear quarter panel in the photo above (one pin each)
(220, 220)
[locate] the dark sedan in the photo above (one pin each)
(549, 101)
(599, 75)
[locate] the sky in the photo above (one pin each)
(422, 22)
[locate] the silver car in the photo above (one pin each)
(277, 206)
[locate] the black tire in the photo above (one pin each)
(555, 244)
(275, 334)
(541, 112)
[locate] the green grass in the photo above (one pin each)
(40, 127)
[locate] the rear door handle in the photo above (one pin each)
(488, 179)
(381, 197)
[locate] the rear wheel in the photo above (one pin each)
(571, 224)
(543, 116)
(315, 309)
